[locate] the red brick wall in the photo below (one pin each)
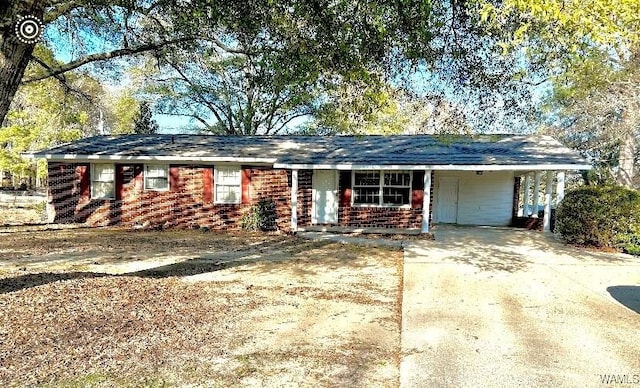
(381, 217)
(189, 202)
(276, 186)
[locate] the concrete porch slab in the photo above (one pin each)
(346, 230)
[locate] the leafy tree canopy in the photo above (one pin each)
(587, 54)
(48, 113)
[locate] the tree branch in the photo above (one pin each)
(191, 115)
(60, 8)
(52, 72)
(184, 77)
(63, 81)
(59, 77)
(287, 121)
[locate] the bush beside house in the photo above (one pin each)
(601, 216)
(260, 217)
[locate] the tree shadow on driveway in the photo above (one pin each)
(494, 260)
(628, 296)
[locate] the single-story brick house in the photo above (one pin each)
(349, 181)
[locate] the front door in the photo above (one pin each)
(447, 200)
(325, 197)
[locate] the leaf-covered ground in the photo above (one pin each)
(19, 215)
(113, 307)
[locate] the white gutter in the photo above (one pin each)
(449, 167)
(306, 166)
(89, 158)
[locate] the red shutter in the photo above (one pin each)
(345, 188)
(85, 180)
(174, 174)
(207, 184)
(119, 181)
(246, 184)
(417, 189)
(138, 176)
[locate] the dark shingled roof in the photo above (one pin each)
(328, 150)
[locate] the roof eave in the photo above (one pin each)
(148, 158)
(441, 167)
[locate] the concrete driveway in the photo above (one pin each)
(506, 307)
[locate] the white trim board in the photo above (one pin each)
(181, 159)
(304, 166)
(447, 167)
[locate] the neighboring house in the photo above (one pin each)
(349, 181)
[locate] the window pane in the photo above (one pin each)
(102, 190)
(103, 172)
(227, 193)
(228, 175)
(103, 180)
(157, 183)
(367, 178)
(366, 195)
(160, 171)
(397, 179)
(396, 195)
(227, 184)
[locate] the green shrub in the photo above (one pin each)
(260, 217)
(630, 243)
(601, 216)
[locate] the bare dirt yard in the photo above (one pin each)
(106, 307)
(20, 215)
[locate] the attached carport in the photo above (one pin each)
(491, 195)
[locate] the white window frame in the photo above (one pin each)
(93, 179)
(166, 168)
(353, 188)
(216, 183)
(381, 187)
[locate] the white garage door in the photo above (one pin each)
(481, 199)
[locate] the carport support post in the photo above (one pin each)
(546, 221)
(559, 187)
(294, 201)
(536, 193)
(426, 202)
(527, 191)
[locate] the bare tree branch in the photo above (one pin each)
(184, 77)
(52, 72)
(61, 8)
(63, 81)
(191, 115)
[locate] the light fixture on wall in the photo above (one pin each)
(479, 172)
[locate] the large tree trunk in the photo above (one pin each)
(626, 160)
(14, 55)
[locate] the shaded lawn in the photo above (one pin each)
(228, 309)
